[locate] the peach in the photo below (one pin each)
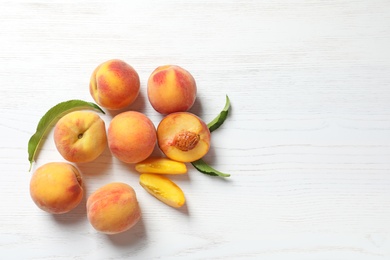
(80, 136)
(171, 89)
(131, 137)
(161, 165)
(113, 208)
(56, 187)
(183, 137)
(114, 84)
(163, 189)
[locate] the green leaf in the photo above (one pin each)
(200, 164)
(203, 167)
(51, 116)
(218, 121)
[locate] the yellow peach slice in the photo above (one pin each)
(161, 165)
(163, 189)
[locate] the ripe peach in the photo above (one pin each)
(171, 89)
(80, 136)
(113, 208)
(114, 84)
(183, 137)
(56, 187)
(131, 136)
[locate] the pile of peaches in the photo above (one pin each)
(81, 136)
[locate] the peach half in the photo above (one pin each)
(80, 136)
(131, 137)
(56, 187)
(171, 89)
(113, 208)
(183, 137)
(114, 84)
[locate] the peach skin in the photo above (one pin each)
(114, 84)
(131, 137)
(80, 136)
(171, 89)
(113, 208)
(56, 187)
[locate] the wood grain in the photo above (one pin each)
(307, 141)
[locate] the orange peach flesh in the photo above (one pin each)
(183, 137)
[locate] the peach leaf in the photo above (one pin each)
(203, 167)
(218, 121)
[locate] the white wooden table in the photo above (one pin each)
(307, 142)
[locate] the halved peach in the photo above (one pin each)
(183, 137)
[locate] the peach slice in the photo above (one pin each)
(161, 166)
(183, 137)
(163, 189)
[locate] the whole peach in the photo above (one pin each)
(131, 136)
(183, 137)
(80, 136)
(171, 89)
(113, 208)
(56, 187)
(114, 84)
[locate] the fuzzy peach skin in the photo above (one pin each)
(114, 84)
(171, 89)
(56, 187)
(80, 136)
(183, 137)
(113, 208)
(131, 137)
